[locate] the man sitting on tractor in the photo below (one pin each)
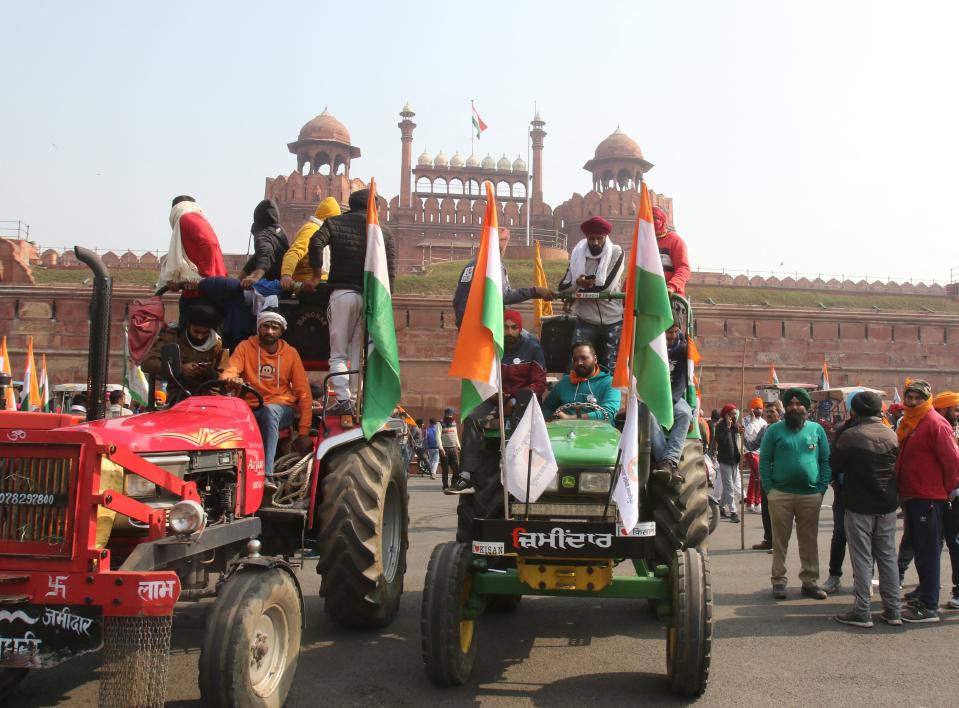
(202, 353)
(668, 450)
(523, 368)
(273, 368)
(585, 392)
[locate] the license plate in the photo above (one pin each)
(32, 499)
(41, 636)
(488, 548)
(644, 529)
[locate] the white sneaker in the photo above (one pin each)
(953, 603)
(832, 584)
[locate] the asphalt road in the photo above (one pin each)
(578, 652)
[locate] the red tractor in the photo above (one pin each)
(107, 526)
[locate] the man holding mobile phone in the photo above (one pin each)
(596, 266)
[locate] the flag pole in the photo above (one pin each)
(502, 435)
(472, 113)
(742, 456)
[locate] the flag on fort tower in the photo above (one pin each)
(381, 385)
(10, 399)
(478, 125)
(30, 397)
(773, 376)
(541, 308)
(479, 344)
(824, 377)
(642, 360)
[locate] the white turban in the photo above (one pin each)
(270, 316)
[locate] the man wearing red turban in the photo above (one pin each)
(752, 429)
(672, 252)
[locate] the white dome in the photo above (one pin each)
(456, 160)
(424, 160)
(472, 161)
(441, 160)
(488, 163)
(504, 163)
(519, 164)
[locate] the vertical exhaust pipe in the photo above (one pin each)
(99, 332)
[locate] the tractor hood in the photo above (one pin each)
(200, 422)
(583, 443)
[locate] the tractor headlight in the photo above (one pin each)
(594, 482)
(187, 517)
(136, 486)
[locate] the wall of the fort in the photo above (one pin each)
(868, 348)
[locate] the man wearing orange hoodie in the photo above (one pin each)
(296, 262)
(274, 368)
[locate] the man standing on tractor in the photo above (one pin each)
(202, 353)
(511, 296)
(346, 237)
(667, 451)
(596, 266)
(274, 369)
(523, 368)
(672, 252)
(296, 261)
(269, 245)
(588, 383)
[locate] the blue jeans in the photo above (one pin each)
(271, 418)
(604, 338)
(671, 448)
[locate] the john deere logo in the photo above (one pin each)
(569, 481)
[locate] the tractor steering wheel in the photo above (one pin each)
(241, 391)
(576, 407)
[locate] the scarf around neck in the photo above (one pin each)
(576, 378)
(910, 419)
(577, 261)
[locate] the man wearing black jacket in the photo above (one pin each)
(269, 245)
(346, 237)
(865, 457)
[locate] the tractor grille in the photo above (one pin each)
(36, 516)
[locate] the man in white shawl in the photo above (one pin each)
(596, 266)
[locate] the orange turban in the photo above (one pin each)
(757, 402)
(946, 399)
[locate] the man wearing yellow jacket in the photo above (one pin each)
(274, 368)
(296, 262)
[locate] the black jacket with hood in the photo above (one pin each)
(346, 237)
(269, 241)
(864, 457)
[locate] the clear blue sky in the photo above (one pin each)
(819, 135)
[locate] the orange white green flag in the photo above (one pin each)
(30, 398)
(44, 385)
(9, 403)
(479, 345)
(381, 383)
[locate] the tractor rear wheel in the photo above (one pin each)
(252, 641)
(448, 638)
(689, 639)
(363, 520)
(682, 513)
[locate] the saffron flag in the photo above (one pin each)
(692, 383)
(824, 377)
(134, 379)
(30, 397)
(530, 437)
(541, 308)
(646, 317)
(9, 403)
(773, 376)
(381, 384)
(478, 125)
(626, 492)
(479, 344)
(44, 385)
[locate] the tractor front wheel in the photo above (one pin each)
(689, 638)
(448, 636)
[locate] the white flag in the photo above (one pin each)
(530, 434)
(626, 494)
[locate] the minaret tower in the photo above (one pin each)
(406, 160)
(537, 134)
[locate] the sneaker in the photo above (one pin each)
(920, 614)
(779, 592)
(461, 485)
(340, 408)
(755, 509)
(854, 619)
(813, 591)
(723, 514)
(734, 518)
(953, 603)
(892, 618)
(832, 584)
(911, 596)
(763, 546)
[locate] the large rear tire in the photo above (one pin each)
(363, 519)
(682, 514)
(448, 639)
(252, 641)
(689, 639)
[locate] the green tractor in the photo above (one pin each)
(569, 542)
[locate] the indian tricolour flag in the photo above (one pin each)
(44, 385)
(30, 398)
(134, 379)
(478, 125)
(773, 376)
(646, 317)
(381, 384)
(479, 345)
(10, 399)
(824, 376)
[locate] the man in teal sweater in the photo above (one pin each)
(794, 466)
(587, 384)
